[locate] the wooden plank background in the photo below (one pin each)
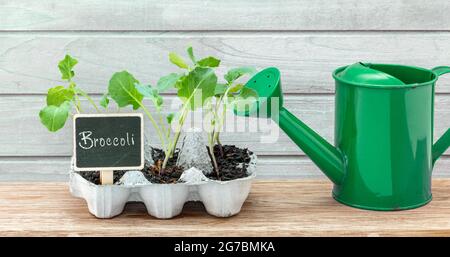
(305, 39)
(227, 15)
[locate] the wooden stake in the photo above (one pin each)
(107, 177)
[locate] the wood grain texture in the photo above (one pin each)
(273, 208)
(225, 15)
(28, 61)
(28, 137)
(47, 168)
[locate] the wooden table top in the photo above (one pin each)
(274, 208)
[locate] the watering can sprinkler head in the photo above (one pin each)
(267, 85)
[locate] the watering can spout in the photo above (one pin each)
(441, 146)
(267, 85)
(328, 158)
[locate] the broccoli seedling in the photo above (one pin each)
(62, 99)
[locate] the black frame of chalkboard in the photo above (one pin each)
(76, 116)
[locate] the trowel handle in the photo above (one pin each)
(444, 141)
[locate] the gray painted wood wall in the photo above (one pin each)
(305, 39)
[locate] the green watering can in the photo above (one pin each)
(384, 152)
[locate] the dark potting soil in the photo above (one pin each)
(171, 173)
(232, 162)
(94, 176)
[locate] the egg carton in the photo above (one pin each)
(164, 201)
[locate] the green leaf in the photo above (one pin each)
(236, 73)
(54, 117)
(151, 93)
(170, 117)
(209, 61)
(220, 89)
(65, 67)
(104, 101)
(159, 101)
(190, 52)
(122, 90)
(145, 90)
(235, 88)
(168, 81)
(244, 101)
(177, 60)
(197, 87)
(58, 95)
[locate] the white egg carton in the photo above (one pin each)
(164, 201)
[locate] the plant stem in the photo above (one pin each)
(170, 150)
(215, 119)
(220, 119)
(211, 139)
(218, 141)
(150, 117)
(76, 108)
(213, 158)
(155, 125)
(89, 99)
(77, 103)
(172, 145)
(161, 123)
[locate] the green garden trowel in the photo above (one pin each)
(384, 152)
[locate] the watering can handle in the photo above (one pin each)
(444, 141)
(441, 70)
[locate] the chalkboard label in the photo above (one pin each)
(108, 142)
